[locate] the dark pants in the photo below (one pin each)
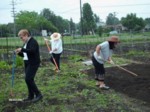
(30, 72)
(57, 59)
(99, 70)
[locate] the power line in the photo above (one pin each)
(126, 5)
(69, 10)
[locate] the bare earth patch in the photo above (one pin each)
(137, 87)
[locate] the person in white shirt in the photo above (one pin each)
(101, 55)
(56, 49)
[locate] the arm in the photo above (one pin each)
(18, 52)
(98, 48)
(31, 47)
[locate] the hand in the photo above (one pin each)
(100, 58)
(50, 52)
(18, 50)
(45, 39)
(55, 49)
(111, 62)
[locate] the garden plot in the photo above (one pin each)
(137, 87)
(75, 90)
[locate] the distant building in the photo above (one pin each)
(147, 27)
(118, 27)
(100, 24)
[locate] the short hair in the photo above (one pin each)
(23, 32)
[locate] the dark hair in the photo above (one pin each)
(111, 45)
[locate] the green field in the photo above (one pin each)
(141, 37)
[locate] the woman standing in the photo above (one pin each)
(31, 57)
(56, 49)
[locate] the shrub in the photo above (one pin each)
(4, 65)
(19, 61)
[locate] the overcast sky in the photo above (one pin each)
(71, 8)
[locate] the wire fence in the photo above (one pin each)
(80, 45)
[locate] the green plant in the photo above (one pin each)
(133, 52)
(85, 92)
(4, 65)
(76, 58)
(19, 61)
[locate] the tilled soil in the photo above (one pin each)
(137, 87)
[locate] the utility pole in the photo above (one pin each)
(81, 18)
(14, 16)
(114, 20)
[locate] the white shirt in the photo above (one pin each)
(25, 56)
(56, 44)
(105, 52)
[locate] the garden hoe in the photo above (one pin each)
(132, 73)
(12, 79)
(52, 55)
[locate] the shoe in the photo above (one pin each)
(58, 71)
(27, 99)
(96, 78)
(37, 98)
(104, 87)
(97, 84)
(54, 69)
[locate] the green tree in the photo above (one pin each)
(147, 23)
(100, 31)
(140, 24)
(46, 13)
(147, 20)
(72, 26)
(49, 15)
(26, 19)
(96, 18)
(33, 22)
(10, 27)
(44, 24)
(132, 22)
(4, 30)
(88, 19)
(60, 23)
(112, 19)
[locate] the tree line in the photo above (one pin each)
(89, 23)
